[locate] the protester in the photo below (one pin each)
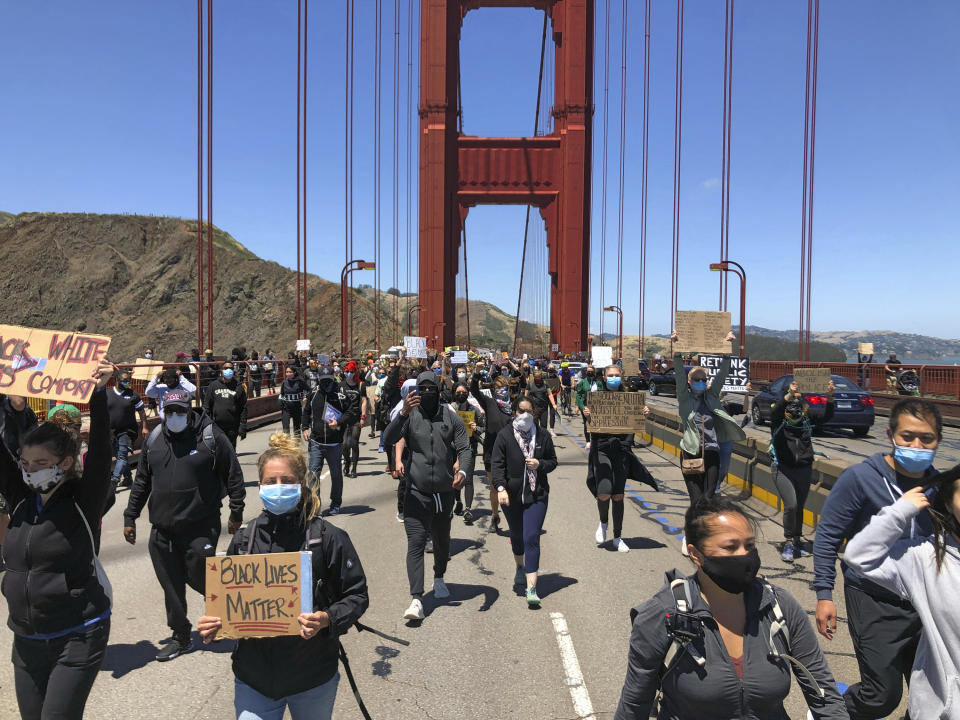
(297, 672)
(553, 382)
(542, 399)
(123, 406)
(609, 463)
(709, 642)
(355, 392)
(498, 414)
(462, 402)
(522, 459)
(58, 599)
(585, 386)
(186, 466)
(325, 415)
(292, 392)
(791, 446)
(269, 369)
(226, 404)
(166, 382)
(892, 368)
(437, 439)
(209, 371)
(16, 418)
(884, 627)
(400, 456)
(863, 369)
(256, 374)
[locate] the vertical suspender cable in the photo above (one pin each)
(677, 140)
(395, 338)
(200, 276)
(350, 176)
(813, 143)
(376, 171)
(306, 277)
(623, 145)
(603, 163)
(803, 210)
(300, 332)
(644, 171)
(723, 160)
(466, 280)
(729, 143)
(210, 172)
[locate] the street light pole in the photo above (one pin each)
(442, 324)
(347, 269)
(737, 268)
(415, 308)
(619, 312)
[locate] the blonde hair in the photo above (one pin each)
(283, 447)
(698, 369)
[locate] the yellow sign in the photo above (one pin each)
(145, 369)
(50, 364)
(468, 416)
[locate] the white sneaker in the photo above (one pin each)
(400, 517)
(553, 434)
(620, 545)
(415, 611)
(440, 589)
(588, 446)
(601, 535)
(683, 546)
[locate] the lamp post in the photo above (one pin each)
(619, 312)
(436, 337)
(416, 308)
(737, 268)
(347, 269)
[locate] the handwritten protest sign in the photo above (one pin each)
(865, 348)
(616, 412)
(738, 377)
(416, 346)
(303, 345)
(702, 331)
(259, 595)
(49, 364)
(812, 380)
(323, 359)
(146, 369)
(602, 356)
(468, 416)
(459, 357)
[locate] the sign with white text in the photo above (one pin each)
(737, 378)
(416, 346)
(303, 345)
(602, 356)
(459, 357)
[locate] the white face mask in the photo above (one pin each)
(523, 422)
(176, 423)
(43, 480)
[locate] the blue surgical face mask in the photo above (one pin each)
(227, 374)
(280, 498)
(699, 385)
(913, 460)
(148, 356)
(613, 382)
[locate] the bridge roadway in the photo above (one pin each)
(480, 654)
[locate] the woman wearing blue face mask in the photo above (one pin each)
(298, 673)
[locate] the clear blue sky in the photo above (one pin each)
(99, 116)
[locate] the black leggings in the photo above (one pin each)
(703, 485)
(53, 678)
(291, 412)
(426, 516)
(351, 443)
(793, 485)
(467, 487)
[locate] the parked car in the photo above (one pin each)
(853, 406)
(665, 383)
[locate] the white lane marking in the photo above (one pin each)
(571, 668)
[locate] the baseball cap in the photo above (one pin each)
(177, 398)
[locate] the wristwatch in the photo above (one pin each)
(501, 488)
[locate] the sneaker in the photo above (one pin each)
(787, 554)
(533, 600)
(620, 545)
(400, 517)
(429, 546)
(333, 510)
(415, 611)
(440, 590)
(683, 546)
(800, 549)
(180, 645)
(125, 483)
(588, 446)
(519, 577)
(601, 535)
(552, 434)
(467, 516)
(380, 449)
(458, 508)
(495, 522)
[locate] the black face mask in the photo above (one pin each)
(591, 376)
(733, 573)
(429, 401)
(461, 397)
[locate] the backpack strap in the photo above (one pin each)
(251, 536)
(210, 441)
(152, 437)
(680, 587)
(778, 628)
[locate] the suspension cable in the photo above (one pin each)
(300, 333)
(809, 139)
(209, 263)
(396, 172)
(603, 164)
(200, 272)
(409, 142)
(377, 101)
(306, 277)
(645, 166)
(725, 159)
(677, 139)
(526, 227)
(623, 144)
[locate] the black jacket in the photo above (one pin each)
(184, 481)
(226, 404)
(346, 403)
(50, 583)
(793, 444)
(283, 666)
(292, 392)
(496, 419)
(14, 423)
(509, 465)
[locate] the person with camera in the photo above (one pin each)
(721, 643)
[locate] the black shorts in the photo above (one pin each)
(606, 474)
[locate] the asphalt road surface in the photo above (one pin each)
(479, 654)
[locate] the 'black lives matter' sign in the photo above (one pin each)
(616, 413)
(739, 374)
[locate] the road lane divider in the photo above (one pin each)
(573, 676)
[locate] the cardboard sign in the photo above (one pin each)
(865, 348)
(505, 355)
(259, 595)
(303, 345)
(602, 356)
(555, 347)
(468, 416)
(616, 413)
(145, 369)
(416, 346)
(323, 359)
(702, 331)
(459, 357)
(812, 380)
(50, 364)
(738, 377)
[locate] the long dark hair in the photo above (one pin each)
(941, 516)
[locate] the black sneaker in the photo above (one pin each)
(429, 547)
(467, 517)
(458, 508)
(180, 645)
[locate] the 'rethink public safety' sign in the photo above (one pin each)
(738, 377)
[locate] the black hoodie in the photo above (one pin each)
(225, 403)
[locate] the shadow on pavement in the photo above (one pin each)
(383, 667)
(123, 658)
(355, 510)
(638, 543)
(458, 545)
(459, 593)
(553, 582)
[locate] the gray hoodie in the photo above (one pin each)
(908, 568)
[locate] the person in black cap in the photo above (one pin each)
(226, 404)
(185, 464)
(327, 412)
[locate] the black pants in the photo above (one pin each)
(553, 416)
(290, 412)
(793, 485)
(351, 445)
(255, 384)
(885, 635)
(231, 434)
(53, 678)
(703, 485)
(426, 516)
(586, 434)
(467, 487)
(178, 559)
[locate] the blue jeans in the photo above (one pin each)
(313, 704)
(332, 454)
(121, 448)
(526, 522)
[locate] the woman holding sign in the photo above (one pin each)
(58, 598)
(298, 672)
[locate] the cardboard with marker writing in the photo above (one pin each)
(865, 348)
(144, 369)
(702, 331)
(616, 413)
(812, 380)
(50, 364)
(468, 416)
(416, 346)
(259, 596)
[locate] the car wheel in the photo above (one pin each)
(757, 417)
(861, 431)
(653, 388)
